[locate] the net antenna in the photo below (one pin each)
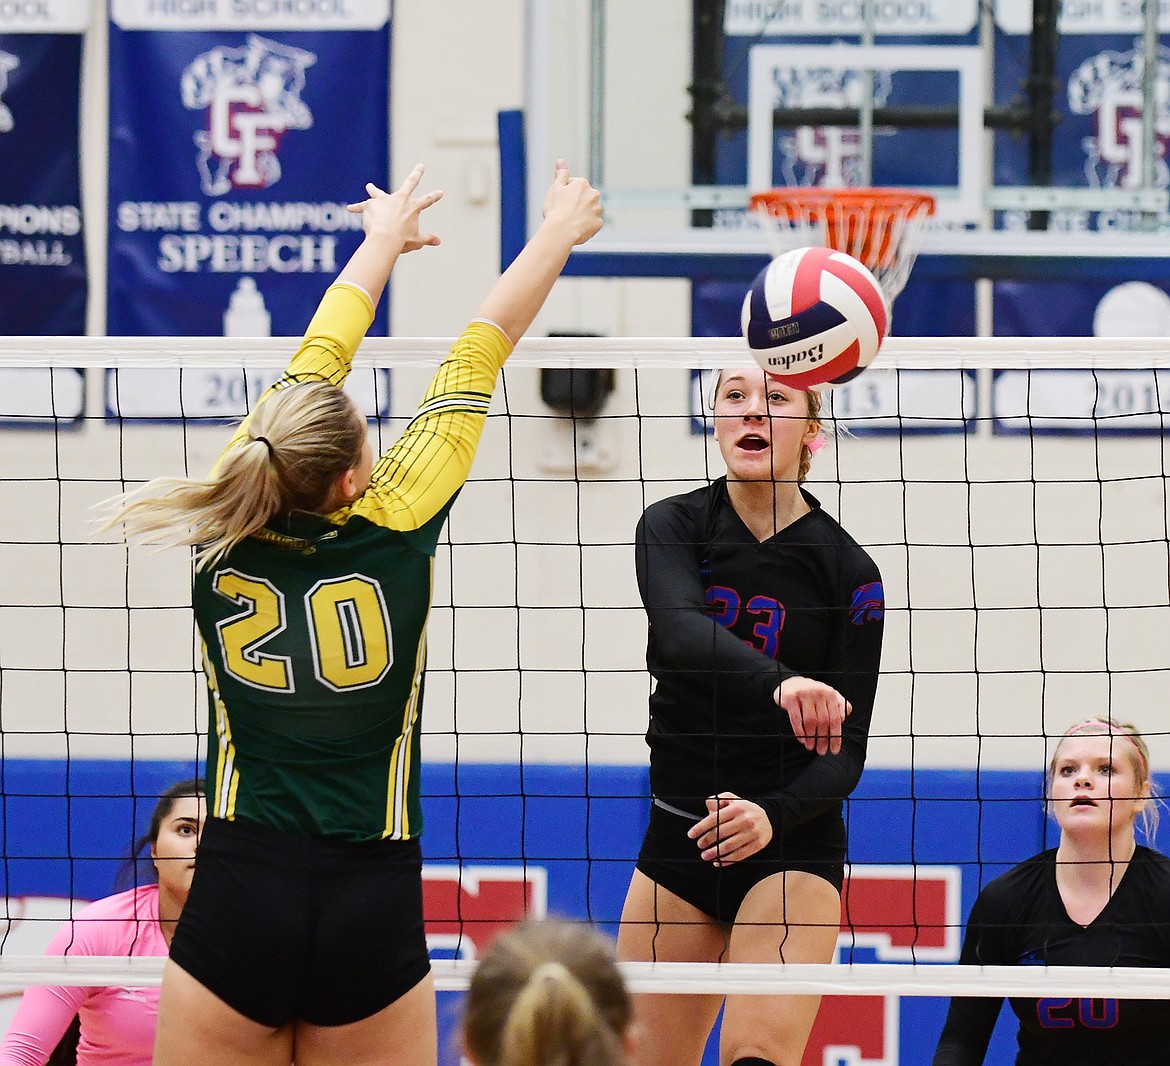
(880, 227)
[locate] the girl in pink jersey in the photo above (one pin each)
(117, 1024)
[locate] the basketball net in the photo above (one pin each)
(880, 227)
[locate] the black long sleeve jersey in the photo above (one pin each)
(730, 618)
(1020, 919)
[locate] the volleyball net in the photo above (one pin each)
(1012, 491)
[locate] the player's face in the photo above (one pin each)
(1095, 786)
(174, 850)
(761, 426)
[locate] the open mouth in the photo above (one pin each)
(1084, 801)
(752, 443)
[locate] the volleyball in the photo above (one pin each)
(814, 316)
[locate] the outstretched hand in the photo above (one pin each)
(817, 712)
(574, 203)
(734, 829)
(396, 215)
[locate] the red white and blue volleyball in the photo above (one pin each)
(815, 316)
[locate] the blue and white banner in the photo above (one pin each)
(42, 254)
(1100, 135)
(238, 133)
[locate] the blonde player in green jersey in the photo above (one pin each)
(303, 935)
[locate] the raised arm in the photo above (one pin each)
(572, 214)
(418, 477)
(391, 223)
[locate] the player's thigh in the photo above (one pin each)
(789, 917)
(658, 926)
(197, 1028)
(402, 1034)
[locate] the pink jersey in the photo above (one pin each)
(117, 1024)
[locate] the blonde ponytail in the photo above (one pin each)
(554, 1022)
(298, 442)
(548, 993)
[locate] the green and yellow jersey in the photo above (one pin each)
(314, 634)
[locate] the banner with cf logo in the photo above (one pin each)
(223, 221)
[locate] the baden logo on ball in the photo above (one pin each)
(814, 316)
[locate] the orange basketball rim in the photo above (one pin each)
(880, 227)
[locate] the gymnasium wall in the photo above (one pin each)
(537, 640)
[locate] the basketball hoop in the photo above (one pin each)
(880, 227)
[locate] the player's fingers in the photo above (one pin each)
(423, 202)
(412, 179)
(562, 172)
(702, 832)
(807, 717)
(842, 708)
(724, 829)
(718, 845)
(795, 710)
(734, 851)
(374, 191)
(822, 727)
(701, 827)
(821, 739)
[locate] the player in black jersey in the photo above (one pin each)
(765, 638)
(303, 936)
(1098, 899)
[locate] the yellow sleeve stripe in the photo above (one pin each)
(226, 781)
(338, 327)
(429, 463)
(472, 403)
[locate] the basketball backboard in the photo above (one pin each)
(679, 120)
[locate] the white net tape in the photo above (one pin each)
(643, 353)
(873, 979)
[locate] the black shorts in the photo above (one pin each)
(671, 859)
(284, 927)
